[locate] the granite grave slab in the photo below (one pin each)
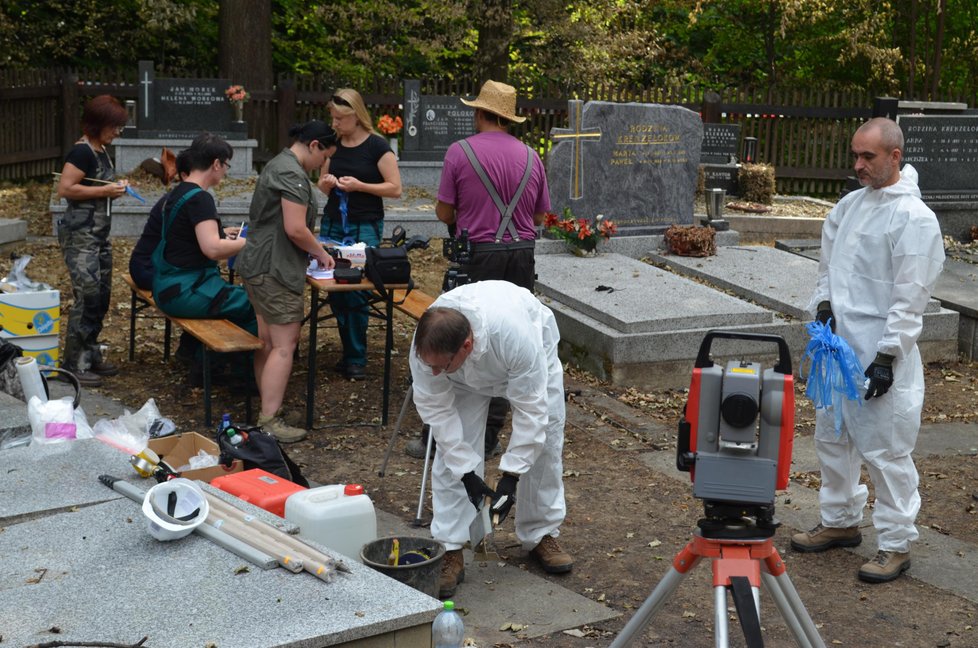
(634, 163)
(432, 123)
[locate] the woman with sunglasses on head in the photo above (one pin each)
(273, 265)
(86, 183)
(188, 282)
(358, 177)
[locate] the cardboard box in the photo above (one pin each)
(177, 449)
(24, 314)
(44, 348)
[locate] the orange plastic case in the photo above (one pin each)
(259, 487)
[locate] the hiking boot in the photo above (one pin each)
(87, 378)
(452, 573)
(416, 447)
(350, 371)
(551, 557)
(104, 369)
(822, 537)
(886, 566)
(283, 432)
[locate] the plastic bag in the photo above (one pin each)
(199, 460)
(17, 279)
(56, 421)
(835, 371)
(131, 432)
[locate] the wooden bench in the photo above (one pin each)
(216, 335)
(414, 305)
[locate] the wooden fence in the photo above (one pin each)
(804, 134)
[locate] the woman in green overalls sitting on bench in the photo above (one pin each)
(188, 282)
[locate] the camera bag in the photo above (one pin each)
(347, 275)
(388, 265)
(260, 450)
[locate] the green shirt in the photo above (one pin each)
(269, 249)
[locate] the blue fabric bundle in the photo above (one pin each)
(835, 371)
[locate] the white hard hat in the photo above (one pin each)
(174, 509)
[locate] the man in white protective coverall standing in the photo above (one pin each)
(486, 339)
(882, 253)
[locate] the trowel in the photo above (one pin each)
(480, 535)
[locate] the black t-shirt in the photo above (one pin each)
(83, 156)
(361, 163)
(141, 262)
(182, 249)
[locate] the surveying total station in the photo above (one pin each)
(735, 441)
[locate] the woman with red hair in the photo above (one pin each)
(83, 232)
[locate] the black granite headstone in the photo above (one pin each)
(432, 123)
(944, 151)
(719, 143)
(183, 108)
(634, 163)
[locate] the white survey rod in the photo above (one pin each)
(240, 531)
(218, 537)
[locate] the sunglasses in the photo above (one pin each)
(340, 101)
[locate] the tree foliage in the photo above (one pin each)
(918, 48)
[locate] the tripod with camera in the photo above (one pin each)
(735, 440)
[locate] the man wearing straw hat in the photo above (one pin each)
(495, 188)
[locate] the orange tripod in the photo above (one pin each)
(740, 565)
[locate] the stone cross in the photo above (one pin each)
(578, 136)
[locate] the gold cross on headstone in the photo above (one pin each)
(578, 135)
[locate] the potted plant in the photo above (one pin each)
(582, 235)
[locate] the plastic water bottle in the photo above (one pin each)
(225, 423)
(448, 631)
(228, 429)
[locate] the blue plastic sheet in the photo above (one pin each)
(835, 371)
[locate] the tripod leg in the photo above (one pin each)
(408, 395)
(721, 630)
(747, 601)
(666, 587)
(793, 610)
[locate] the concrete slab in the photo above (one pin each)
(773, 278)
(644, 299)
(14, 425)
(79, 551)
(495, 593)
(12, 230)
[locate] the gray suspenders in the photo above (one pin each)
(506, 211)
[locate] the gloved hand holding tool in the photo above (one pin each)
(825, 316)
(477, 489)
(880, 374)
(505, 497)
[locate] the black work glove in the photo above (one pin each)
(505, 497)
(825, 316)
(476, 489)
(880, 374)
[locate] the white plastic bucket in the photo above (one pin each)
(338, 516)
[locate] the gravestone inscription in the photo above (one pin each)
(718, 157)
(432, 123)
(634, 163)
(944, 151)
(182, 108)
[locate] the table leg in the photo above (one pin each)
(311, 372)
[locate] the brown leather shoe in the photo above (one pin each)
(551, 557)
(886, 566)
(452, 573)
(822, 537)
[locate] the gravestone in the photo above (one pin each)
(718, 157)
(944, 150)
(432, 123)
(171, 112)
(183, 108)
(634, 163)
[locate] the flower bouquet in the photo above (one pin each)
(237, 95)
(580, 233)
(390, 126)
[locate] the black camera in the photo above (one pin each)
(458, 249)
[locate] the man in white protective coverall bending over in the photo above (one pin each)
(485, 339)
(881, 255)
